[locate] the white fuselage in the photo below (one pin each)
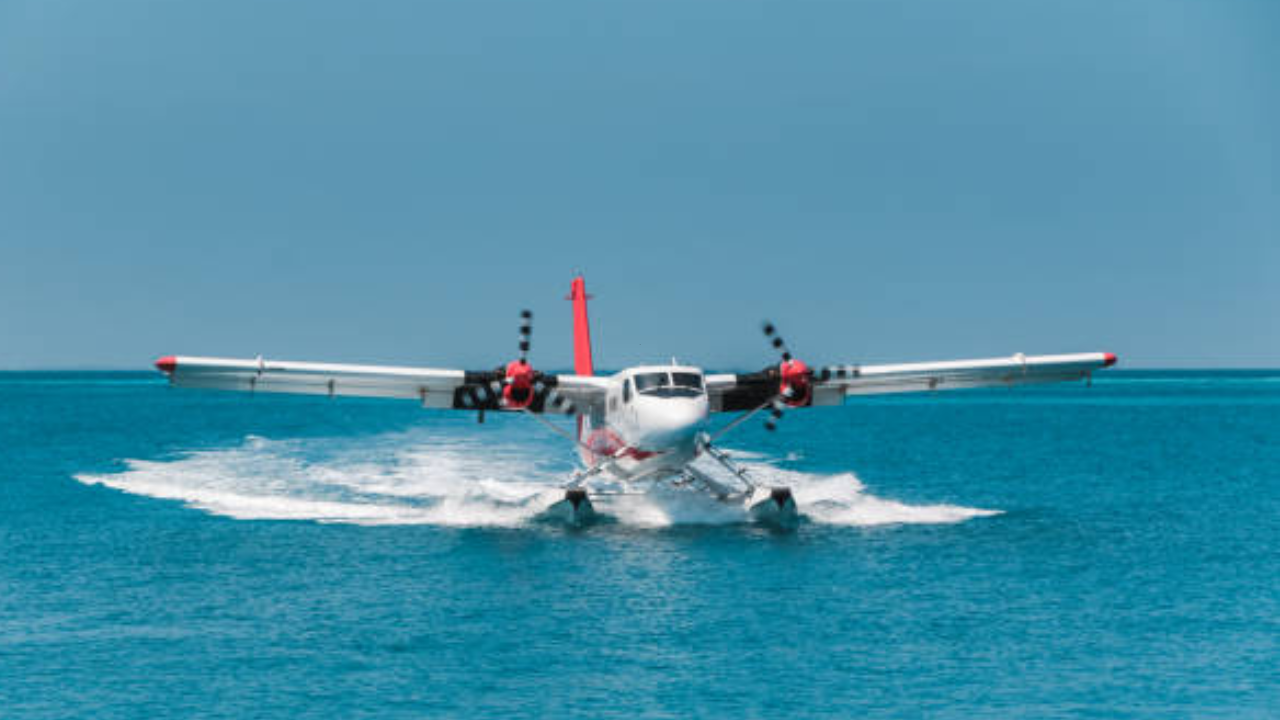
(650, 423)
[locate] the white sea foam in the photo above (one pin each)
(404, 479)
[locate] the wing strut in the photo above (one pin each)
(742, 418)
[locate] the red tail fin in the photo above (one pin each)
(581, 329)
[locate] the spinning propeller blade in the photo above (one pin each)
(775, 414)
(526, 334)
(775, 407)
(776, 340)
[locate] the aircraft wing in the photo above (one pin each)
(831, 385)
(431, 387)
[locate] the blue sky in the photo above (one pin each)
(393, 181)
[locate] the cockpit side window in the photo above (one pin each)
(626, 390)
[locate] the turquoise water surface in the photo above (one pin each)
(1064, 551)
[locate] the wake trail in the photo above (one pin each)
(411, 479)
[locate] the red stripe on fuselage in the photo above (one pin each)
(604, 443)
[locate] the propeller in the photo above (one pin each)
(795, 386)
(521, 386)
(517, 383)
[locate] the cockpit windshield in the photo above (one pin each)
(650, 381)
(661, 384)
(687, 380)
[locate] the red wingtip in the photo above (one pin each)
(1108, 359)
(167, 364)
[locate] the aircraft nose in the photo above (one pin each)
(674, 423)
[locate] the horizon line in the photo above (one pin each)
(607, 371)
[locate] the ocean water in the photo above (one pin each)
(1064, 551)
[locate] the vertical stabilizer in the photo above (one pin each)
(582, 364)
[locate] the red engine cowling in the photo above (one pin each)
(796, 387)
(517, 391)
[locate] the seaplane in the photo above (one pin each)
(642, 428)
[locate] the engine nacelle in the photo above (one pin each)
(517, 389)
(796, 387)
